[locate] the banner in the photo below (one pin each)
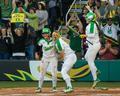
(23, 70)
(14, 70)
(35, 70)
(17, 17)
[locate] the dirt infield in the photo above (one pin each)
(47, 92)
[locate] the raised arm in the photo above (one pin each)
(102, 51)
(26, 3)
(114, 51)
(31, 16)
(25, 30)
(13, 4)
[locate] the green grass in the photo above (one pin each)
(10, 84)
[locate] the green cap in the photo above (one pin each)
(46, 31)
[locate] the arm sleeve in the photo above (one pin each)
(31, 16)
(59, 45)
(40, 42)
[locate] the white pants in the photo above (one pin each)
(67, 65)
(90, 57)
(52, 62)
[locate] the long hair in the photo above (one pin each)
(55, 35)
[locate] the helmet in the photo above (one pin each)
(46, 31)
(90, 16)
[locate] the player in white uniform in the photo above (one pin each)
(92, 36)
(49, 58)
(69, 57)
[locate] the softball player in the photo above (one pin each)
(49, 58)
(94, 45)
(69, 59)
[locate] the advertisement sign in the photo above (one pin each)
(35, 70)
(23, 70)
(14, 70)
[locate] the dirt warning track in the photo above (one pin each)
(47, 92)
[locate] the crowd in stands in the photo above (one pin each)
(18, 40)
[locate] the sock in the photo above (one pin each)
(68, 82)
(54, 83)
(40, 82)
(94, 75)
(93, 70)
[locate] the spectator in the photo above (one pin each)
(82, 17)
(33, 18)
(32, 4)
(65, 7)
(108, 52)
(110, 29)
(102, 9)
(18, 5)
(52, 12)
(0, 12)
(43, 17)
(112, 2)
(6, 9)
(5, 44)
(84, 23)
(30, 44)
(73, 34)
(64, 34)
(75, 41)
(32, 30)
(111, 10)
(18, 47)
(117, 2)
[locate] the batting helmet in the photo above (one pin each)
(90, 16)
(46, 31)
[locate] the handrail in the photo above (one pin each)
(69, 10)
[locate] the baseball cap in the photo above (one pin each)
(46, 31)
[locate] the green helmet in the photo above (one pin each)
(46, 31)
(90, 16)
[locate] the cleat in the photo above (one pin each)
(101, 88)
(68, 90)
(54, 89)
(95, 83)
(38, 90)
(98, 72)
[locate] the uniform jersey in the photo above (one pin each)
(111, 31)
(61, 45)
(47, 48)
(92, 33)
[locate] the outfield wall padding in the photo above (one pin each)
(24, 70)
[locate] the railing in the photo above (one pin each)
(69, 10)
(80, 2)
